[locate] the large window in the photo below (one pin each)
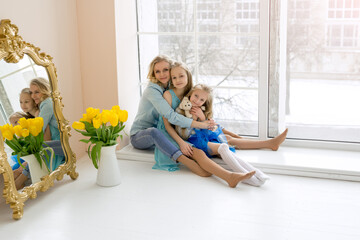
(311, 56)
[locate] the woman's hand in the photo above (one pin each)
(198, 113)
(186, 149)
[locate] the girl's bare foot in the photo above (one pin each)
(278, 140)
(235, 178)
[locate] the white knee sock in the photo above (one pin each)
(259, 174)
(232, 162)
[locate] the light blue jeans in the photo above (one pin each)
(148, 138)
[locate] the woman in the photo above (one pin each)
(144, 134)
(40, 92)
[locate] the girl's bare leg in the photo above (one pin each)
(193, 166)
(242, 143)
(210, 166)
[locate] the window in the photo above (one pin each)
(12, 81)
(312, 75)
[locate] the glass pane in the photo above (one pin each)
(222, 64)
(234, 73)
(177, 47)
(237, 110)
(165, 15)
(322, 81)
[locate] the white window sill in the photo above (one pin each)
(307, 162)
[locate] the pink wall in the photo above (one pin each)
(96, 26)
(51, 25)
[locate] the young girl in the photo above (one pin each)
(29, 106)
(180, 85)
(215, 142)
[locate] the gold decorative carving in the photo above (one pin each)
(13, 49)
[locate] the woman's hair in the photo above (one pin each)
(19, 115)
(160, 58)
(189, 85)
(209, 101)
(43, 85)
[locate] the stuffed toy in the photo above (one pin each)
(184, 109)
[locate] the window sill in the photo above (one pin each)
(307, 162)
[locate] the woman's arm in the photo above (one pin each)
(154, 94)
(46, 112)
(185, 148)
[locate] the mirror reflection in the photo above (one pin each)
(26, 92)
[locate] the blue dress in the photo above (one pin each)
(162, 161)
(202, 137)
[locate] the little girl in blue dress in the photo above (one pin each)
(181, 83)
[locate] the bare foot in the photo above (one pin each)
(278, 140)
(20, 181)
(235, 178)
(17, 172)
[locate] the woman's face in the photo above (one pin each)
(36, 94)
(162, 72)
(198, 97)
(179, 77)
(27, 104)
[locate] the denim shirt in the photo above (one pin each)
(152, 106)
(47, 113)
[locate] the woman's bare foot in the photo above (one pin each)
(20, 181)
(278, 140)
(17, 172)
(235, 178)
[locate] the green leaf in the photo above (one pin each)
(85, 140)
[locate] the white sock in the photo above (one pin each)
(229, 158)
(259, 174)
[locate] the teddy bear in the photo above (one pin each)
(184, 109)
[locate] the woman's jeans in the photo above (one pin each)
(151, 137)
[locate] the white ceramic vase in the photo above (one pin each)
(108, 174)
(36, 172)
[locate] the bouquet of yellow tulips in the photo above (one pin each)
(26, 138)
(102, 128)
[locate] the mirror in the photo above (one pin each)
(20, 62)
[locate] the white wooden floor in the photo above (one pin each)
(153, 204)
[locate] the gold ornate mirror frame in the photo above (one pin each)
(13, 49)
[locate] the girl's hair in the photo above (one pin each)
(209, 101)
(27, 91)
(19, 115)
(160, 58)
(43, 85)
(189, 85)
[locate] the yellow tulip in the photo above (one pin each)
(92, 113)
(25, 132)
(17, 130)
(105, 116)
(78, 125)
(85, 118)
(34, 130)
(8, 135)
(23, 123)
(97, 123)
(114, 120)
(123, 116)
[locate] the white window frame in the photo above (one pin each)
(263, 89)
